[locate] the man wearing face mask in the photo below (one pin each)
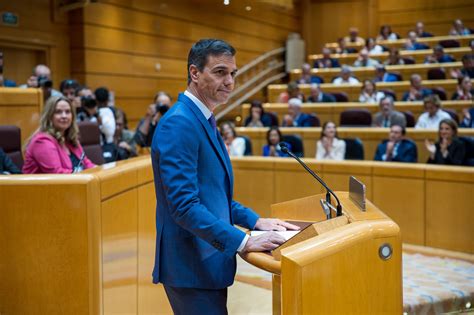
(196, 239)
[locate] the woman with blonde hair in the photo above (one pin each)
(54, 148)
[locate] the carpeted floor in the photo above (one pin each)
(431, 285)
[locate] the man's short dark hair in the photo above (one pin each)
(204, 48)
(102, 95)
(404, 130)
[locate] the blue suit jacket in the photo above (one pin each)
(406, 151)
(196, 241)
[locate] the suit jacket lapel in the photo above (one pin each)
(213, 137)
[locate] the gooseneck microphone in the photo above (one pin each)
(285, 149)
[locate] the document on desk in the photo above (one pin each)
(286, 234)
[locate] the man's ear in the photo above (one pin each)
(194, 73)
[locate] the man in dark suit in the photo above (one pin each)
(381, 75)
(317, 96)
(196, 241)
(326, 61)
(295, 117)
(388, 116)
(396, 148)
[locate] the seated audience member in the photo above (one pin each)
(417, 91)
(272, 148)
(433, 114)
(257, 116)
(381, 75)
(292, 91)
(413, 44)
(364, 61)
(147, 125)
(69, 89)
(345, 77)
(296, 118)
(307, 77)
(235, 145)
(317, 96)
(88, 110)
(467, 67)
(369, 93)
(41, 78)
(459, 29)
(420, 30)
(396, 148)
(468, 118)
(354, 38)
(123, 139)
(448, 150)
(7, 166)
(464, 90)
(372, 47)
(471, 44)
(342, 47)
(82, 92)
(326, 61)
(330, 147)
(55, 147)
(394, 58)
(439, 56)
(387, 115)
(106, 114)
(386, 33)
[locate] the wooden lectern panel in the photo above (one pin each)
(347, 265)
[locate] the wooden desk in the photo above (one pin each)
(332, 111)
(400, 43)
(368, 73)
(431, 204)
(22, 108)
(80, 243)
(418, 55)
(353, 91)
(370, 137)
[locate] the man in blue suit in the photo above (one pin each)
(196, 241)
(396, 148)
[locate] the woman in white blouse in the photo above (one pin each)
(330, 147)
(235, 145)
(369, 93)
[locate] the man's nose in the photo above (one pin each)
(229, 80)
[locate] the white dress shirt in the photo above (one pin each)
(427, 122)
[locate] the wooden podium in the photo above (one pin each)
(347, 265)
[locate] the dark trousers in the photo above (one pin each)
(189, 301)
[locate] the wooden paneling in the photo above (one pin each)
(329, 20)
(22, 108)
(418, 55)
(325, 21)
(353, 91)
(431, 204)
(42, 30)
(370, 137)
(137, 48)
(437, 15)
(368, 73)
(332, 111)
(446, 215)
(50, 246)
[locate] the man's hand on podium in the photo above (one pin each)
(264, 242)
(267, 224)
(271, 240)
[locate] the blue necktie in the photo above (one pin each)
(212, 121)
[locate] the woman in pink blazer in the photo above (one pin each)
(55, 147)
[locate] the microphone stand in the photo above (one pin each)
(329, 192)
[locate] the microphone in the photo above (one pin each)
(284, 149)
